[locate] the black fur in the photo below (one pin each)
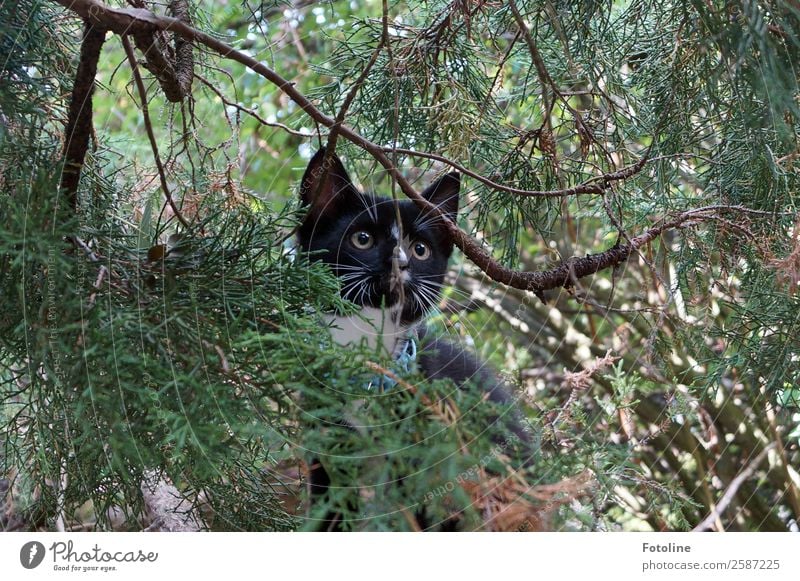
(442, 359)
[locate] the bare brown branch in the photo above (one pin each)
(596, 185)
(79, 119)
(172, 67)
(254, 114)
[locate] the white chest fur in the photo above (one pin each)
(375, 326)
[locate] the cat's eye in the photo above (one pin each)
(362, 240)
(421, 250)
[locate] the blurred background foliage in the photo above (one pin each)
(154, 355)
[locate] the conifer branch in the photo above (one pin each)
(123, 21)
(333, 135)
(595, 186)
(547, 81)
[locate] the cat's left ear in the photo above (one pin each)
(444, 194)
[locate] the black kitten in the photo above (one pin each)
(358, 234)
(393, 271)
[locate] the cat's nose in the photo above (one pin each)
(402, 258)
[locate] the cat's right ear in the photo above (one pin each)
(325, 183)
(444, 194)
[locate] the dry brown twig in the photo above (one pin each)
(511, 505)
(445, 410)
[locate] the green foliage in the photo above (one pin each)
(130, 346)
(135, 361)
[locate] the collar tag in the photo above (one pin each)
(406, 363)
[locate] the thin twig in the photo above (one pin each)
(335, 129)
(78, 243)
(500, 67)
(149, 127)
(733, 487)
(228, 103)
(596, 185)
(97, 284)
(538, 63)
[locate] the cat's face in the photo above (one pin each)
(357, 234)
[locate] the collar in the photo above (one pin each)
(405, 362)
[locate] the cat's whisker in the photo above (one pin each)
(414, 297)
(354, 278)
(461, 305)
(346, 292)
(435, 297)
(361, 292)
(426, 296)
(428, 286)
(428, 278)
(352, 283)
(363, 287)
(350, 267)
(369, 207)
(350, 290)
(351, 276)
(452, 291)
(426, 223)
(427, 218)
(361, 263)
(427, 299)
